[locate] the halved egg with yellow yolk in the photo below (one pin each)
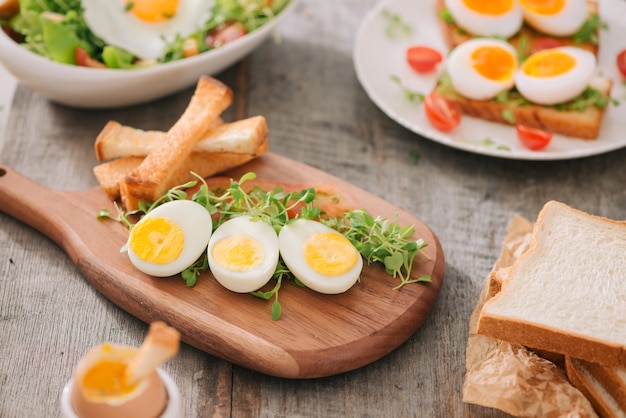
(556, 75)
(320, 257)
(555, 17)
(501, 18)
(481, 68)
(170, 238)
(144, 27)
(243, 254)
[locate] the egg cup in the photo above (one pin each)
(173, 408)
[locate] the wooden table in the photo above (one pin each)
(318, 114)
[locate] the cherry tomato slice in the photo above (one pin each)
(84, 60)
(442, 114)
(621, 62)
(542, 43)
(532, 138)
(423, 59)
(225, 33)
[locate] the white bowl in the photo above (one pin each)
(174, 407)
(105, 88)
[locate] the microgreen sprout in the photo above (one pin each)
(395, 25)
(377, 239)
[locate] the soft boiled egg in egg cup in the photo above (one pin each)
(501, 18)
(320, 257)
(243, 254)
(170, 238)
(481, 68)
(556, 75)
(143, 27)
(556, 17)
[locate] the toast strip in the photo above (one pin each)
(243, 137)
(111, 175)
(160, 169)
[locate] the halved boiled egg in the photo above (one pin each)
(555, 17)
(481, 68)
(170, 238)
(320, 257)
(143, 27)
(555, 75)
(243, 254)
(501, 18)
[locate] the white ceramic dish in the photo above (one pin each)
(174, 407)
(378, 56)
(103, 88)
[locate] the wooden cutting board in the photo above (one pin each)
(317, 335)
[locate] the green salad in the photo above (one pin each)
(57, 29)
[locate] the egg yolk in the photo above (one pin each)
(544, 7)
(152, 11)
(157, 240)
(489, 7)
(494, 63)
(238, 252)
(329, 254)
(548, 63)
(105, 380)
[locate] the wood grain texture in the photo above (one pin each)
(317, 335)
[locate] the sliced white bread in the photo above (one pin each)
(566, 294)
(591, 380)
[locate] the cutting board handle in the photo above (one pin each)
(37, 206)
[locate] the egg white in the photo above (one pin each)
(504, 25)
(291, 241)
(565, 22)
(470, 83)
(256, 277)
(558, 88)
(109, 20)
(196, 225)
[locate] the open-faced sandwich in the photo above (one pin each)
(529, 64)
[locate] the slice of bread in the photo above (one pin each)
(566, 294)
(525, 40)
(598, 383)
(583, 124)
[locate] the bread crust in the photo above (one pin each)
(580, 124)
(604, 404)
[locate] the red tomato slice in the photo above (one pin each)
(532, 138)
(539, 44)
(225, 33)
(442, 114)
(423, 59)
(84, 60)
(621, 62)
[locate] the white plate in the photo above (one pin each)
(105, 88)
(377, 56)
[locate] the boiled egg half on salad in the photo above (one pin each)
(555, 75)
(170, 238)
(556, 17)
(481, 68)
(501, 18)
(320, 257)
(143, 27)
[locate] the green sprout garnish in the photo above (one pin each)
(377, 239)
(396, 25)
(412, 96)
